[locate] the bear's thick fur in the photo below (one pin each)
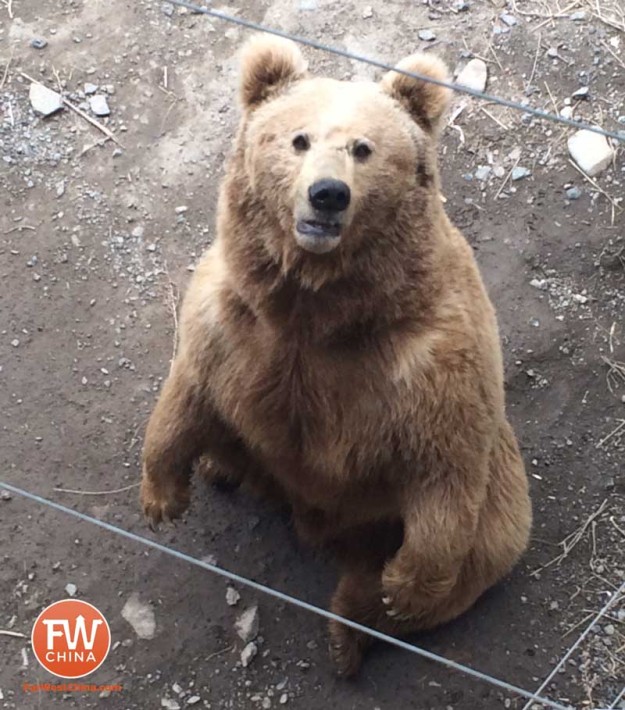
(338, 348)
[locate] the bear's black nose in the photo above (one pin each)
(329, 195)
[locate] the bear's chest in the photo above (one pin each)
(310, 412)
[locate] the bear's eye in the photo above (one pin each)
(301, 141)
(362, 149)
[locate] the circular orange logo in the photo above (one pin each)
(71, 638)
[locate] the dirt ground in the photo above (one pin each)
(96, 244)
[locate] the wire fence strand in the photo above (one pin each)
(287, 598)
(600, 614)
(459, 88)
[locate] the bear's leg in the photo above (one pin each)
(175, 437)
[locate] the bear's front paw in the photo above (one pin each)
(414, 595)
(163, 501)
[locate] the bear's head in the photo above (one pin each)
(335, 162)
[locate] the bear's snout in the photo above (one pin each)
(329, 195)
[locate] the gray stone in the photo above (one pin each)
(573, 193)
(99, 105)
(140, 616)
(474, 75)
(483, 172)
(578, 16)
(583, 93)
(38, 43)
(44, 100)
(167, 9)
(426, 35)
(552, 52)
(247, 624)
(519, 173)
(248, 654)
(507, 19)
(90, 88)
(590, 151)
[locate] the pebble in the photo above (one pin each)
(71, 589)
(232, 596)
(552, 52)
(483, 172)
(460, 6)
(140, 616)
(90, 88)
(590, 151)
(609, 629)
(367, 13)
(181, 209)
(170, 704)
(284, 699)
(248, 654)
(167, 9)
(567, 112)
(578, 16)
(573, 193)
(474, 75)
(5, 495)
(582, 94)
(38, 43)
(99, 105)
(193, 700)
(519, 173)
(426, 35)
(44, 100)
(60, 188)
(507, 19)
(15, 342)
(247, 624)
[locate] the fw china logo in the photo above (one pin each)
(71, 638)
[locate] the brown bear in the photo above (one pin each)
(338, 348)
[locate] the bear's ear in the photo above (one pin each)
(268, 64)
(425, 102)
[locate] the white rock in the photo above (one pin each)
(426, 35)
(99, 105)
(248, 654)
(474, 75)
(193, 700)
(170, 704)
(232, 596)
(367, 12)
(140, 616)
(71, 589)
(90, 88)
(247, 624)
(590, 151)
(44, 100)
(567, 112)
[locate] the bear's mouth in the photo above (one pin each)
(316, 236)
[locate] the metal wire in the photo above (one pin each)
(616, 596)
(282, 596)
(617, 700)
(539, 113)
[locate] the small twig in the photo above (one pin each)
(571, 541)
(97, 144)
(614, 54)
(612, 434)
(20, 228)
(14, 634)
(553, 101)
(587, 177)
(97, 493)
(6, 72)
(107, 132)
(529, 81)
(492, 51)
(505, 182)
(614, 523)
(219, 653)
(556, 15)
(494, 118)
